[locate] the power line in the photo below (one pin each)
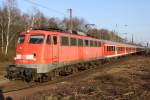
(53, 10)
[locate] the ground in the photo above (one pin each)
(127, 79)
(3, 72)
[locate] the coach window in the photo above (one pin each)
(54, 40)
(111, 48)
(108, 48)
(73, 41)
(114, 48)
(120, 48)
(64, 41)
(91, 43)
(127, 49)
(48, 41)
(80, 42)
(95, 43)
(86, 43)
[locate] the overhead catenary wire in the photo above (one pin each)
(48, 8)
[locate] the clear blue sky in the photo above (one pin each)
(102, 13)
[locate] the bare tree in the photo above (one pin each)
(12, 22)
(38, 19)
(7, 20)
(78, 24)
(2, 31)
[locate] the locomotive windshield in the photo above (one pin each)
(36, 39)
(21, 39)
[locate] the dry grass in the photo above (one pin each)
(130, 81)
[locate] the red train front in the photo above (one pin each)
(33, 54)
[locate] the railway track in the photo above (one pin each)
(11, 87)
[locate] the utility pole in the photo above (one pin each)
(147, 45)
(125, 37)
(132, 39)
(126, 33)
(70, 14)
(116, 33)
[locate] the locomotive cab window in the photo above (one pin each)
(21, 39)
(54, 40)
(36, 39)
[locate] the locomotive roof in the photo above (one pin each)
(56, 32)
(77, 35)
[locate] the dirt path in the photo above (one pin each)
(127, 79)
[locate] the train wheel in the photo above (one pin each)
(54, 74)
(68, 70)
(92, 65)
(74, 69)
(81, 66)
(28, 79)
(45, 78)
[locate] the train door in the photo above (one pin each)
(55, 52)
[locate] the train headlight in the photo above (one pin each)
(30, 57)
(18, 56)
(25, 57)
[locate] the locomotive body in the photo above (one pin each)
(39, 53)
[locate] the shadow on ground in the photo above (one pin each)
(2, 96)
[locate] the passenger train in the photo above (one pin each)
(40, 54)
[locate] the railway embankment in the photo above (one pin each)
(126, 79)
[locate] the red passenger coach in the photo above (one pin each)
(121, 49)
(109, 49)
(39, 53)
